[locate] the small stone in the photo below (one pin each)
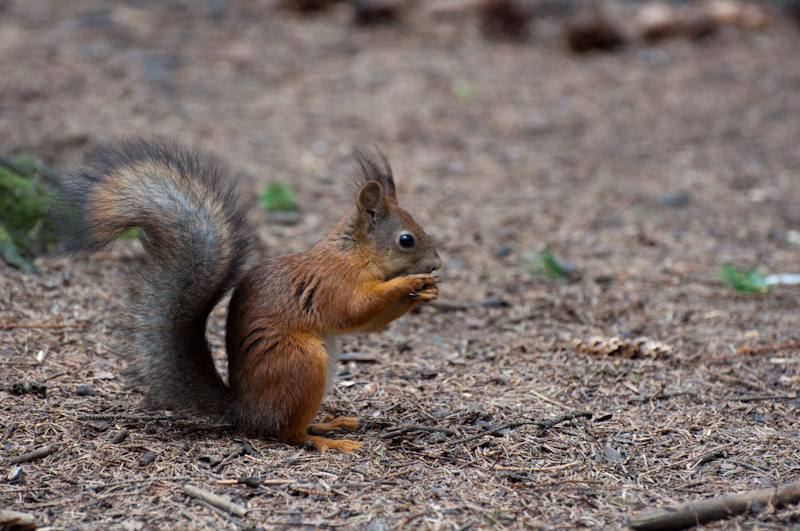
(99, 424)
(377, 524)
(592, 34)
(675, 199)
(211, 459)
(16, 474)
(503, 251)
(85, 390)
(474, 324)
(611, 455)
(320, 148)
(497, 302)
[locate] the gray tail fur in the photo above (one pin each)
(195, 233)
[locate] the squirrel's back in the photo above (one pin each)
(196, 240)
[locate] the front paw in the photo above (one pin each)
(421, 282)
(427, 294)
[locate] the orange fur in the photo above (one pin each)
(280, 391)
(330, 424)
(285, 310)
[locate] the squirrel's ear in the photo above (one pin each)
(371, 203)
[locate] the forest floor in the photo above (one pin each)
(646, 169)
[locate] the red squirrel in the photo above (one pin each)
(285, 313)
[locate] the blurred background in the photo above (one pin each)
(610, 184)
(517, 123)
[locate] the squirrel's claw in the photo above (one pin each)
(427, 294)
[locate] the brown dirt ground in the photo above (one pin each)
(645, 168)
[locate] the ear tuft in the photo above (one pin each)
(369, 169)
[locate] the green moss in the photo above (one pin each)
(278, 197)
(743, 281)
(131, 234)
(552, 266)
(24, 205)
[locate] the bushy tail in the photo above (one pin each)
(194, 231)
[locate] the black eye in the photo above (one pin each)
(406, 240)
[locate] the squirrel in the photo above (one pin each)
(285, 313)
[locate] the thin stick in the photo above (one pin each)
(543, 425)
(682, 462)
(414, 427)
(217, 501)
(243, 448)
(660, 395)
(690, 514)
(34, 455)
(129, 416)
(747, 349)
(539, 469)
(707, 458)
(312, 492)
(255, 482)
(551, 484)
(758, 398)
(103, 486)
(9, 326)
(547, 399)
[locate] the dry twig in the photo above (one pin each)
(215, 500)
(759, 349)
(128, 416)
(543, 425)
(255, 482)
(415, 427)
(312, 492)
(177, 421)
(660, 395)
(761, 398)
(10, 326)
(690, 514)
(34, 455)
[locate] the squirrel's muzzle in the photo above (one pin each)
(428, 265)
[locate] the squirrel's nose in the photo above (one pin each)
(437, 262)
